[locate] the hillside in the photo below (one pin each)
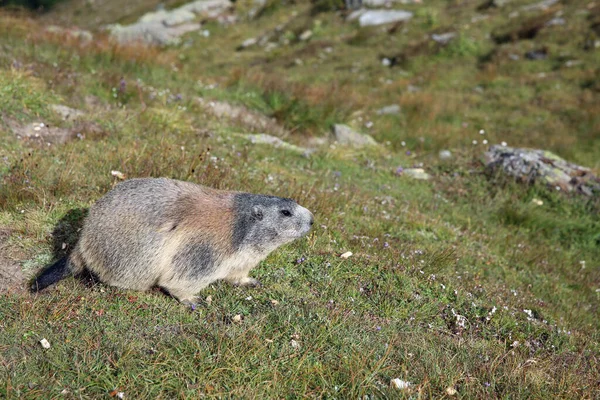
(468, 283)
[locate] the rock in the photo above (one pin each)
(165, 27)
(345, 136)
(445, 155)
(208, 8)
(443, 38)
(400, 384)
(250, 119)
(305, 35)
(247, 43)
(391, 109)
(262, 138)
(556, 21)
(175, 17)
(40, 131)
(257, 7)
(541, 6)
(416, 173)
(540, 54)
(532, 165)
(379, 17)
(153, 33)
(66, 113)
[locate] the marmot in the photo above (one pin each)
(179, 236)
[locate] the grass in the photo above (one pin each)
(461, 282)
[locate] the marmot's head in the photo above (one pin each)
(267, 222)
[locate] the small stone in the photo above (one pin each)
(295, 344)
(45, 344)
(400, 384)
(451, 391)
(445, 154)
(248, 43)
(347, 254)
(345, 135)
(118, 174)
(209, 300)
(305, 35)
(274, 302)
(443, 38)
(237, 318)
(417, 173)
(391, 109)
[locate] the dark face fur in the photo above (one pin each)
(267, 222)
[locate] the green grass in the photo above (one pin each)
(442, 270)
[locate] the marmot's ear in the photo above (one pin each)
(257, 213)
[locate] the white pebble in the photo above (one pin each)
(481, 132)
(346, 254)
(504, 144)
(295, 344)
(237, 318)
(399, 384)
(484, 141)
(118, 174)
(474, 142)
(45, 344)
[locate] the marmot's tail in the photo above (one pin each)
(54, 273)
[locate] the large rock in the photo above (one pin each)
(531, 165)
(346, 136)
(379, 17)
(250, 119)
(165, 27)
(262, 138)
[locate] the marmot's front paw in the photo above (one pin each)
(246, 281)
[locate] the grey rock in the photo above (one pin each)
(533, 165)
(416, 173)
(391, 109)
(379, 17)
(208, 8)
(66, 113)
(169, 18)
(251, 119)
(305, 35)
(165, 27)
(154, 33)
(262, 138)
(445, 154)
(556, 21)
(257, 7)
(248, 43)
(346, 136)
(541, 6)
(443, 38)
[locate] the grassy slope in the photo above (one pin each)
(460, 244)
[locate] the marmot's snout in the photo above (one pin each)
(308, 220)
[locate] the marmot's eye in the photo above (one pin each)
(286, 213)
